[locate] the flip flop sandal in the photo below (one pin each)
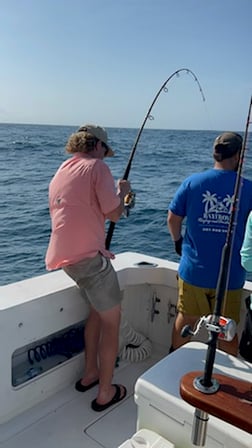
(116, 398)
(83, 388)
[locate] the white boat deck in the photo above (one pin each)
(66, 419)
(45, 411)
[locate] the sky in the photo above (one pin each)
(71, 62)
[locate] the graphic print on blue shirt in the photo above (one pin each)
(205, 200)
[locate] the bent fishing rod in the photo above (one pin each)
(150, 117)
(221, 288)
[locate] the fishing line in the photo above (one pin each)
(225, 260)
(150, 117)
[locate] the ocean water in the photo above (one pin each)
(29, 157)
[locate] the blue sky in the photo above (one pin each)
(71, 61)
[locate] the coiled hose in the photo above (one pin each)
(136, 347)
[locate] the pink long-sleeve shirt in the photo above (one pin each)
(81, 194)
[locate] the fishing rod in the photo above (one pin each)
(225, 264)
(150, 117)
(215, 323)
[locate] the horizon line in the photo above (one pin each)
(114, 127)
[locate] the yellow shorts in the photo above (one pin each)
(196, 301)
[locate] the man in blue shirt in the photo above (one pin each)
(205, 200)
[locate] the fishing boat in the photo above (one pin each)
(42, 356)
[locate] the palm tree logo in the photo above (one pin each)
(210, 201)
(229, 200)
(213, 205)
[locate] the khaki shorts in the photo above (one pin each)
(196, 301)
(97, 281)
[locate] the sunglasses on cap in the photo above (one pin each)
(106, 148)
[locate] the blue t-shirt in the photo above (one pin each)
(205, 199)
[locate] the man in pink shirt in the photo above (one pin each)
(82, 195)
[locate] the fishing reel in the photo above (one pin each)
(129, 203)
(226, 327)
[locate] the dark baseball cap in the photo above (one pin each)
(226, 145)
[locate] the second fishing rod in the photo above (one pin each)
(226, 261)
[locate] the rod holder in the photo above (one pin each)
(198, 385)
(201, 418)
(199, 429)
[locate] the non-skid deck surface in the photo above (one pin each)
(66, 420)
